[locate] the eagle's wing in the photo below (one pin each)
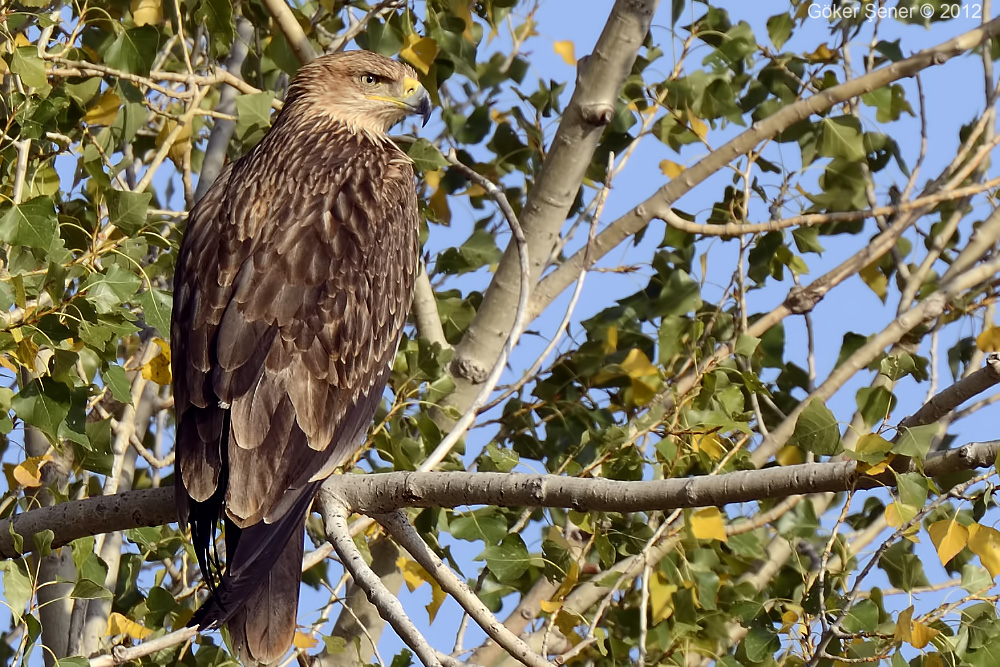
(290, 295)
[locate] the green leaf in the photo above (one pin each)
(479, 250)
(779, 29)
(118, 383)
(746, 344)
(127, 210)
(760, 643)
(863, 617)
(871, 448)
(912, 489)
(509, 559)
(916, 442)
(480, 525)
(218, 18)
(253, 116)
(134, 50)
(16, 587)
(107, 291)
(31, 223)
(26, 63)
(498, 459)
(874, 404)
(156, 306)
(680, 295)
(43, 542)
(975, 578)
(816, 430)
(426, 156)
(902, 567)
(44, 406)
(840, 137)
(897, 366)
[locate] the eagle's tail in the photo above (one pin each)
(258, 595)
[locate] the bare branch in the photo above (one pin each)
(520, 316)
(296, 38)
(656, 205)
(385, 492)
(405, 535)
(389, 607)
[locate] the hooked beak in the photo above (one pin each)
(415, 99)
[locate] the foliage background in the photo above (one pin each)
(116, 114)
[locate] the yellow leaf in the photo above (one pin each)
(822, 54)
(989, 340)
(568, 582)
(419, 52)
(790, 455)
(179, 144)
(904, 622)
(550, 606)
(875, 279)
(158, 368)
(104, 111)
(698, 126)
(566, 49)
(611, 339)
(949, 538)
(661, 597)
(637, 364)
(872, 443)
(120, 625)
(876, 469)
(462, 9)
(28, 473)
(671, 169)
(708, 443)
(415, 575)
(896, 513)
(707, 524)
(921, 635)
(302, 640)
(146, 12)
(985, 543)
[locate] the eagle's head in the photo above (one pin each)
(365, 91)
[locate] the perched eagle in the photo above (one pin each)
(293, 283)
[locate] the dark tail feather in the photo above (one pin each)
(259, 592)
(264, 627)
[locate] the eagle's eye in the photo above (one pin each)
(369, 79)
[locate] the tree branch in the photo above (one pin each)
(389, 607)
(599, 82)
(656, 205)
(291, 29)
(401, 531)
(385, 492)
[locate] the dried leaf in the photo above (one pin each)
(419, 52)
(121, 625)
(949, 538)
(707, 524)
(567, 51)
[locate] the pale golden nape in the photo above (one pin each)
(367, 92)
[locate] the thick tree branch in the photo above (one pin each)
(958, 393)
(657, 205)
(291, 29)
(600, 79)
(385, 492)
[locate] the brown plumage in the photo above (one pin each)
(293, 282)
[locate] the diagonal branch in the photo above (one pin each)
(659, 203)
(389, 607)
(401, 531)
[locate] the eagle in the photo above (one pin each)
(293, 282)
